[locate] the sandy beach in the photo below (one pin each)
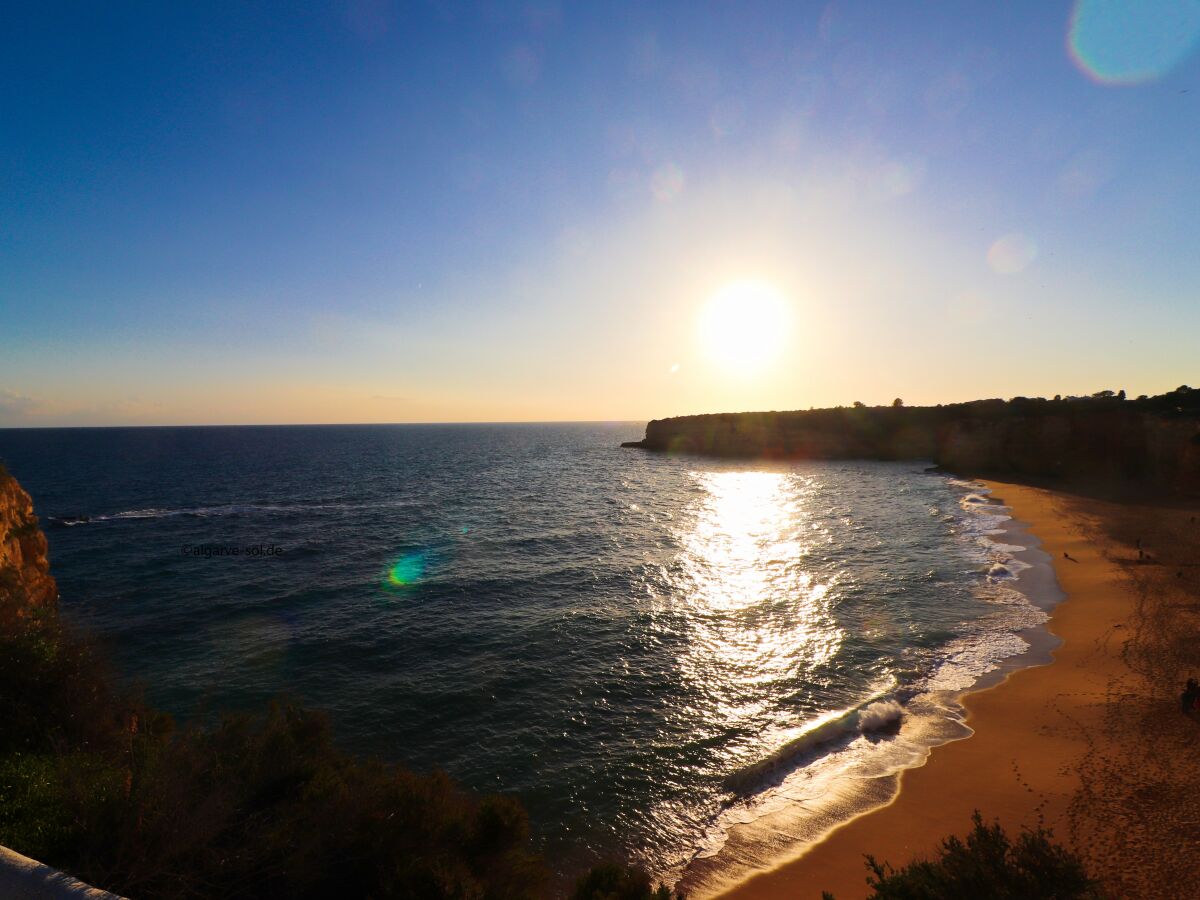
(1093, 745)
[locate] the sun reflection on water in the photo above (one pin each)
(760, 620)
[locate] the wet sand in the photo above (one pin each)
(1055, 745)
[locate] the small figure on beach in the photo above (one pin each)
(1138, 544)
(1190, 693)
(1067, 555)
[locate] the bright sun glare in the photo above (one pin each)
(743, 326)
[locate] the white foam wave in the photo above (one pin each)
(1007, 548)
(144, 514)
(756, 776)
(968, 485)
(871, 715)
(970, 658)
(879, 716)
(812, 799)
(231, 509)
(1000, 571)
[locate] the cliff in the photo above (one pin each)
(24, 567)
(1152, 440)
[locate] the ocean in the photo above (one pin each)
(699, 664)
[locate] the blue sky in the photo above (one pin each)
(376, 211)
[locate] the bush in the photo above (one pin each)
(987, 866)
(55, 689)
(265, 806)
(616, 882)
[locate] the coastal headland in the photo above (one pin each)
(1103, 438)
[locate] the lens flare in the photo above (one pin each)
(897, 179)
(1012, 253)
(667, 182)
(407, 570)
(1123, 42)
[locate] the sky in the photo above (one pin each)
(433, 211)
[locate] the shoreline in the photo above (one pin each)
(1017, 765)
(934, 716)
(1037, 583)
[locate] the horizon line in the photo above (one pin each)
(615, 421)
(331, 424)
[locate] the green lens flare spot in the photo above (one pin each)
(407, 570)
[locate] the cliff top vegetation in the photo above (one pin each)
(1182, 402)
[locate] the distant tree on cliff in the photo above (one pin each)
(987, 866)
(897, 403)
(858, 404)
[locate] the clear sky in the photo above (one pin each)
(437, 211)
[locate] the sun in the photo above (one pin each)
(743, 326)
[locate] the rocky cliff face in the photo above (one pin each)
(24, 569)
(1116, 447)
(819, 434)
(1153, 441)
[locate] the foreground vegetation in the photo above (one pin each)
(988, 865)
(97, 784)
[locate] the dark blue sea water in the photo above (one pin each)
(636, 645)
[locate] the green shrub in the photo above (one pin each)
(987, 866)
(33, 815)
(55, 689)
(265, 806)
(616, 882)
